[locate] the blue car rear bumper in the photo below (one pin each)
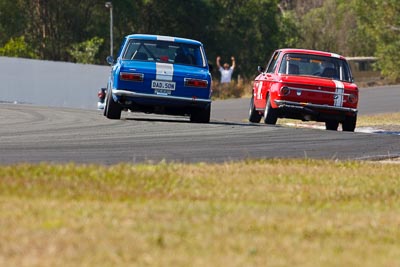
(128, 98)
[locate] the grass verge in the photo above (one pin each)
(383, 121)
(380, 120)
(252, 213)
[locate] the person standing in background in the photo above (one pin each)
(226, 71)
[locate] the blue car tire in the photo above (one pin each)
(112, 110)
(201, 115)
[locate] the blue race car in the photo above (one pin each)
(162, 75)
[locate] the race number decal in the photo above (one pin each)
(259, 95)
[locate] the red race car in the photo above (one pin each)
(307, 85)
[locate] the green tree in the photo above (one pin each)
(381, 21)
(190, 19)
(53, 26)
(331, 25)
(289, 36)
(17, 47)
(86, 52)
(248, 30)
(12, 20)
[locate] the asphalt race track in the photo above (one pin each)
(40, 134)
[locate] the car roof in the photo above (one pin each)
(310, 52)
(163, 38)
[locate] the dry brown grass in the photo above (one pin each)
(253, 213)
(233, 89)
(389, 121)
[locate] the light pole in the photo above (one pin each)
(110, 6)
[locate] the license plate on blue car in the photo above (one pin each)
(162, 85)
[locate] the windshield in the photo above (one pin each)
(326, 67)
(164, 51)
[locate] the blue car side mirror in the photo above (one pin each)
(110, 60)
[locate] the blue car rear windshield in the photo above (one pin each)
(165, 52)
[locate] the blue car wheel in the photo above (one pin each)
(113, 109)
(201, 115)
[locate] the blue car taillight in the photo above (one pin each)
(133, 77)
(196, 83)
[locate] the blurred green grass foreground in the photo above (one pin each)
(250, 213)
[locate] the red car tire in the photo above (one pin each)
(254, 115)
(270, 113)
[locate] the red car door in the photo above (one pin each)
(263, 82)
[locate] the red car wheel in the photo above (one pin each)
(270, 114)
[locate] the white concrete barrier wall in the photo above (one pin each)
(50, 83)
